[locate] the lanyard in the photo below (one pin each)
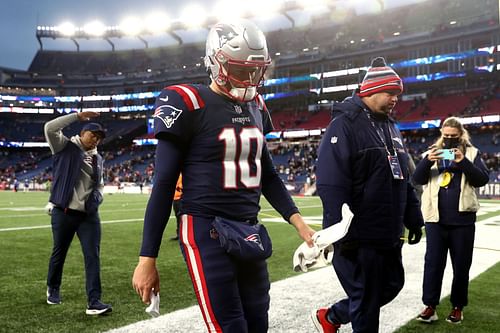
(446, 164)
(380, 135)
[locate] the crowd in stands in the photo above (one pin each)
(29, 128)
(17, 166)
(295, 161)
(442, 103)
(25, 129)
(352, 32)
(109, 66)
(132, 164)
(17, 91)
(479, 104)
(333, 33)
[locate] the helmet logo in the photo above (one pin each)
(226, 33)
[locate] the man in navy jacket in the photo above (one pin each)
(362, 162)
(75, 196)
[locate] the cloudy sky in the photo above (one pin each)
(19, 19)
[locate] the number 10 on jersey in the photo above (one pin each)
(241, 143)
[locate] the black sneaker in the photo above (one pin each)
(53, 296)
(98, 308)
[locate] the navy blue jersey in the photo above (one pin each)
(219, 146)
(222, 163)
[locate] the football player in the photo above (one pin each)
(215, 136)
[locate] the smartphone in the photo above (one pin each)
(447, 154)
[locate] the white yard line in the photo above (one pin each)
(48, 225)
(262, 212)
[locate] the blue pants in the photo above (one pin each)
(371, 278)
(233, 295)
(459, 240)
(88, 229)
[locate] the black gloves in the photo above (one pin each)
(414, 236)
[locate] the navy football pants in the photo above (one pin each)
(459, 240)
(233, 295)
(88, 229)
(371, 278)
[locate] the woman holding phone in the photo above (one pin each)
(449, 172)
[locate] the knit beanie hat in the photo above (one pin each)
(379, 78)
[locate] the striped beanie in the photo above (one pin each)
(379, 78)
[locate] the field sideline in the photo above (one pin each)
(25, 239)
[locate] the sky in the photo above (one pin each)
(20, 18)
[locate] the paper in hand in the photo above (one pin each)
(154, 307)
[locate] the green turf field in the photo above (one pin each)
(25, 247)
(482, 316)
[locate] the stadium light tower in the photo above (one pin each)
(227, 9)
(95, 29)
(133, 27)
(67, 29)
(157, 23)
(194, 16)
(273, 7)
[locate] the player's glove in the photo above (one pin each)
(414, 236)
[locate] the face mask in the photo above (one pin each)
(243, 94)
(451, 142)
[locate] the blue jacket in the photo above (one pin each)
(66, 169)
(353, 167)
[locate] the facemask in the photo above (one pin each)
(451, 142)
(243, 94)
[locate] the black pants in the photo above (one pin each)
(371, 278)
(459, 240)
(88, 229)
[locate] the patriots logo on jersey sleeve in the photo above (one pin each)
(168, 114)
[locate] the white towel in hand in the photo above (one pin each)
(304, 257)
(321, 253)
(336, 232)
(154, 307)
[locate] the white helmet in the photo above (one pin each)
(237, 58)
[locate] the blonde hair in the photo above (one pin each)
(464, 136)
